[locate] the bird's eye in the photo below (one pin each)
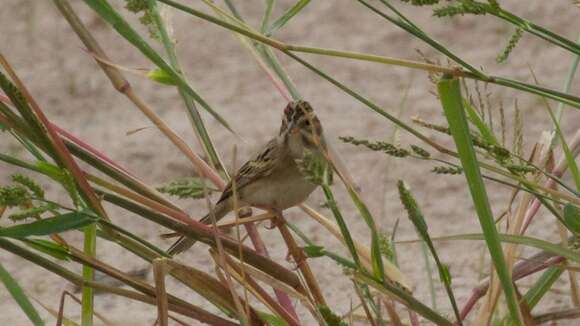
(307, 122)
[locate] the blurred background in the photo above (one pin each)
(77, 96)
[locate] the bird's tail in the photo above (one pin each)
(184, 243)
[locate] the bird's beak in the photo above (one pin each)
(290, 127)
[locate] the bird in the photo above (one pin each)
(272, 179)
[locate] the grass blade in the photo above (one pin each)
(376, 257)
(194, 115)
(450, 94)
(567, 152)
(339, 219)
(542, 286)
(106, 12)
(280, 22)
(484, 129)
(521, 240)
(61, 223)
(88, 298)
(20, 297)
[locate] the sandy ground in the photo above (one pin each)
(75, 94)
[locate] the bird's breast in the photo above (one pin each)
(281, 190)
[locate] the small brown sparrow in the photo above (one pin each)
(272, 179)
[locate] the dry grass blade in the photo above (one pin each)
(390, 306)
(246, 220)
(180, 307)
(239, 273)
(300, 294)
(63, 156)
(159, 272)
(573, 313)
(124, 87)
(60, 317)
(203, 233)
(300, 260)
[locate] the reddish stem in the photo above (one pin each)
(89, 148)
(550, 183)
(283, 298)
(413, 318)
(530, 266)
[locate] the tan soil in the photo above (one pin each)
(75, 94)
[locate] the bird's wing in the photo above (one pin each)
(260, 166)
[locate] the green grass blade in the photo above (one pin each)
(286, 48)
(406, 297)
(88, 293)
(537, 30)
(406, 24)
(429, 271)
(271, 59)
(568, 82)
(48, 247)
(572, 218)
(376, 257)
(267, 15)
(567, 152)
(130, 235)
(484, 129)
(280, 22)
(194, 115)
(106, 12)
(341, 223)
(16, 162)
(450, 94)
(18, 294)
(542, 286)
(521, 240)
(265, 52)
(61, 223)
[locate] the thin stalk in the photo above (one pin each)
(249, 283)
(537, 30)
(90, 246)
(346, 236)
(117, 22)
(199, 127)
(568, 82)
(558, 171)
(429, 271)
(265, 52)
(100, 162)
(408, 26)
(408, 299)
(271, 59)
(572, 313)
(418, 220)
(287, 48)
(123, 86)
(300, 260)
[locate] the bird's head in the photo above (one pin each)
(301, 128)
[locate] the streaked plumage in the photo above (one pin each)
(272, 179)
